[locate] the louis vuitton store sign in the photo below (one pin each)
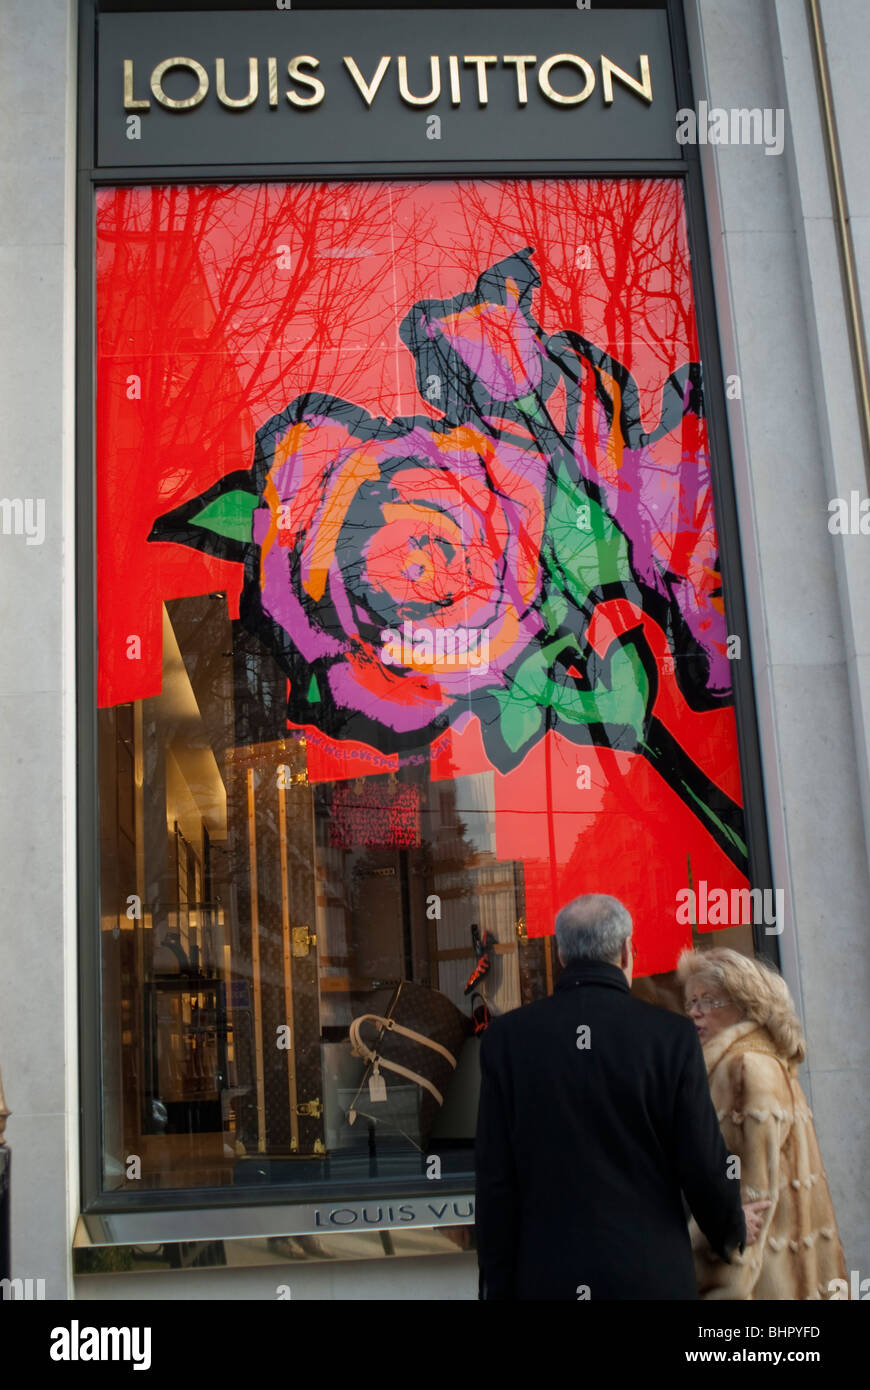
(279, 87)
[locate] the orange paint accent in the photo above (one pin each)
(616, 443)
(411, 511)
(360, 468)
(291, 443)
(270, 495)
(424, 560)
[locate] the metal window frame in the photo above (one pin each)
(98, 1205)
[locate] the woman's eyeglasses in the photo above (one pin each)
(706, 1005)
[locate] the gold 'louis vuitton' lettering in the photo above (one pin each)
(418, 80)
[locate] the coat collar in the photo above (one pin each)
(715, 1049)
(592, 972)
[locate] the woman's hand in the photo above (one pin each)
(754, 1213)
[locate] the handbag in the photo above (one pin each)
(411, 1054)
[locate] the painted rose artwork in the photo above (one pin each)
(449, 464)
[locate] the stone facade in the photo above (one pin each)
(796, 443)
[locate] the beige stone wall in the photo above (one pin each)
(37, 743)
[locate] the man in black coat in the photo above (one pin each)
(595, 1116)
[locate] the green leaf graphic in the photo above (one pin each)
(621, 702)
(589, 549)
(229, 515)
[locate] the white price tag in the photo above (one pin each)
(377, 1085)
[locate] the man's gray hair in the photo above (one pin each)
(592, 927)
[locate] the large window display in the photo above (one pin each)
(411, 628)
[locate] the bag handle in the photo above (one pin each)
(361, 1050)
(412, 1076)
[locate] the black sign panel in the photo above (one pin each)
(289, 87)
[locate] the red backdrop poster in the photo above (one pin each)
(442, 444)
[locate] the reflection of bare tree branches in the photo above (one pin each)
(621, 279)
(280, 316)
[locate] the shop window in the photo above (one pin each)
(411, 628)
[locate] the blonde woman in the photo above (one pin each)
(752, 1044)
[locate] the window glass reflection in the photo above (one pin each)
(411, 627)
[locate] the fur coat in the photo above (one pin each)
(766, 1122)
